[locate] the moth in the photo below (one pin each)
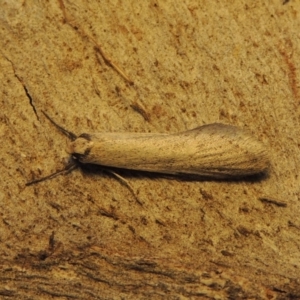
(213, 151)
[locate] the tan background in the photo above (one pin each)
(192, 62)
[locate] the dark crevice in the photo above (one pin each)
(28, 96)
(24, 87)
(30, 101)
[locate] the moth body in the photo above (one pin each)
(214, 150)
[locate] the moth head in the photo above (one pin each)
(81, 147)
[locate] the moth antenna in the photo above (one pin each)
(72, 136)
(68, 168)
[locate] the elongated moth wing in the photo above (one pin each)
(214, 150)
